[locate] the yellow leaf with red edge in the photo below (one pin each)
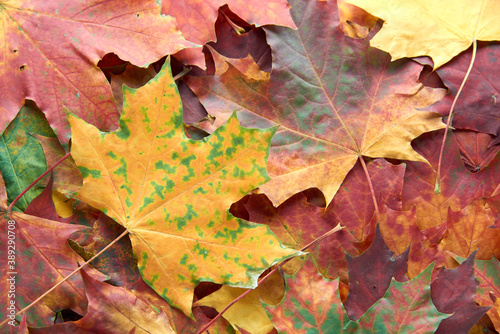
(439, 29)
(172, 193)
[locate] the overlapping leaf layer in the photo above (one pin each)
(251, 131)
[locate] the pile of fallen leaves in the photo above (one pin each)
(199, 149)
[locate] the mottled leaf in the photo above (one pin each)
(311, 305)
(166, 189)
(488, 275)
(331, 110)
(443, 28)
(51, 49)
(405, 308)
(370, 275)
(21, 156)
(453, 292)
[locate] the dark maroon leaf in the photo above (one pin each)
(370, 275)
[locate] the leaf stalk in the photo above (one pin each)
(437, 187)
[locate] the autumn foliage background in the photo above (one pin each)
(218, 139)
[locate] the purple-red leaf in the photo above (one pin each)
(370, 275)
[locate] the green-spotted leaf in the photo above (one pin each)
(312, 305)
(172, 193)
(21, 156)
(405, 308)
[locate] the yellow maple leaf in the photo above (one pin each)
(172, 193)
(439, 29)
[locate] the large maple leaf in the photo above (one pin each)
(172, 193)
(440, 29)
(50, 51)
(331, 109)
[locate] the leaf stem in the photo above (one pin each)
(207, 326)
(437, 188)
(182, 73)
(35, 182)
(372, 191)
(67, 277)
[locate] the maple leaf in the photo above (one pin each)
(476, 109)
(112, 310)
(353, 205)
(248, 313)
(21, 157)
(453, 292)
(146, 175)
(296, 222)
(67, 178)
(315, 309)
(488, 275)
(196, 18)
(458, 186)
(475, 149)
(232, 43)
(405, 307)
(400, 231)
(50, 53)
(469, 230)
(331, 111)
(443, 28)
(370, 275)
(42, 242)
